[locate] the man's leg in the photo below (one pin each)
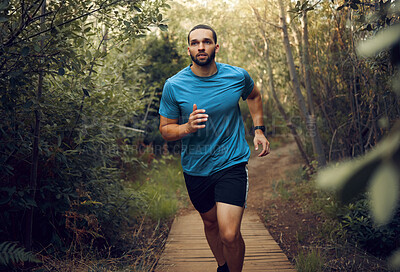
(229, 220)
(212, 234)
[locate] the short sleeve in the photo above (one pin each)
(248, 84)
(169, 107)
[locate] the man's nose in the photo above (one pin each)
(201, 46)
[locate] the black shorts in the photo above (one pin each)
(229, 186)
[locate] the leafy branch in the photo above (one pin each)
(11, 42)
(85, 91)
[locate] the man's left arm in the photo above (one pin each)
(256, 110)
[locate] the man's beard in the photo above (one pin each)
(206, 62)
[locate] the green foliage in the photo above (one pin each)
(378, 170)
(357, 227)
(299, 7)
(384, 193)
(394, 260)
(346, 229)
(383, 40)
(371, 222)
(92, 68)
(10, 252)
(309, 261)
(353, 4)
(163, 61)
(135, 223)
(352, 178)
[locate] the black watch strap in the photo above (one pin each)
(260, 127)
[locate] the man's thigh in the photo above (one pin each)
(210, 217)
(229, 217)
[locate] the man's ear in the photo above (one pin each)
(217, 48)
(188, 51)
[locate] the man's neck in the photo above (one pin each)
(204, 71)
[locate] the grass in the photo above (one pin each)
(284, 188)
(280, 189)
(311, 261)
(163, 188)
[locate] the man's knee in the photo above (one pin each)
(230, 236)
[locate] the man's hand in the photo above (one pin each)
(260, 139)
(171, 130)
(195, 118)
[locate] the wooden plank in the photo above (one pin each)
(187, 249)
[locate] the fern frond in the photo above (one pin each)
(10, 252)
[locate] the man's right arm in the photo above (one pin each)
(171, 130)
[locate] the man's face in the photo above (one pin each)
(202, 47)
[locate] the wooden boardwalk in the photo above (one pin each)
(187, 249)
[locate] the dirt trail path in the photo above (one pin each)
(186, 248)
(264, 172)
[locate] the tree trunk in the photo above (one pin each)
(316, 138)
(282, 110)
(289, 124)
(298, 41)
(306, 116)
(292, 69)
(35, 147)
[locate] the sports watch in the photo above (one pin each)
(260, 127)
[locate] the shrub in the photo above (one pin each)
(356, 220)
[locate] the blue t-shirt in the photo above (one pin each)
(222, 142)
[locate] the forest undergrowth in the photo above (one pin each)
(160, 189)
(319, 233)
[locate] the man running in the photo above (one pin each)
(199, 105)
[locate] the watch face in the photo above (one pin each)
(260, 127)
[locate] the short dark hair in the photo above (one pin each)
(203, 27)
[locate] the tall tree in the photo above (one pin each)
(271, 83)
(306, 115)
(36, 138)
(317, 142)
